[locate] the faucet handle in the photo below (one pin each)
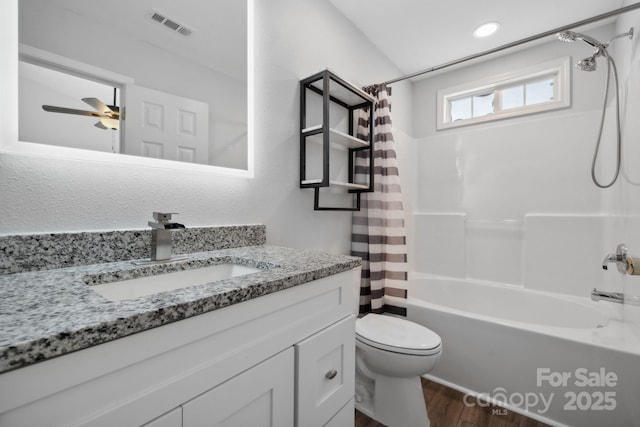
(163, 216)
(620, 258)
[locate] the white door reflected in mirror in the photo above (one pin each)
(165, 126)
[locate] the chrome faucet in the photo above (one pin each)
(617, 297)
(624, 263)
(620, 258)
(161, 230)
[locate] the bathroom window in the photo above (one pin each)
(541, 88)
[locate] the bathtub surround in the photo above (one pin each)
(34, 252)
(510, 206)
(517, 187)
(521, 187)
(378, 229)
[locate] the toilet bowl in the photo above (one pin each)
(391, 355)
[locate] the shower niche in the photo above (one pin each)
(329, 110)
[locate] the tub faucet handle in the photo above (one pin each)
(620, 258)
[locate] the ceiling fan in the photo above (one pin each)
(109, 114)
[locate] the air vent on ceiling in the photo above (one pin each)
(169, 23)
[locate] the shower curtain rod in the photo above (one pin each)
(519, 42)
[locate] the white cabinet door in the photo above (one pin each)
(260, 396)
(325, 373)
(344, 418)
(170, 419)
(165, 126)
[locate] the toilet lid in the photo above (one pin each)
(397, 335)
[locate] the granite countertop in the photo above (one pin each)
(49, 313)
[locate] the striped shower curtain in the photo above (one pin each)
(378, 234)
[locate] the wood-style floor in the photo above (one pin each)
(447, 409)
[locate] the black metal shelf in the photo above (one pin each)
(338, 139)
(334, 91)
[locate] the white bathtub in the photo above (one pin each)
(560, 359)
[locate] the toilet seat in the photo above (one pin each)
(397, 335)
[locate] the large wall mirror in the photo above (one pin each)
(153, 78)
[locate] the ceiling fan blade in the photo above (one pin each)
(54, 109)
(100, 125)
(98, 105)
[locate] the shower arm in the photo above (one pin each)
(600, 48)
(619, 36)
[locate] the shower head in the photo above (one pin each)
(567, 36)
(570, 36)
(587, 64)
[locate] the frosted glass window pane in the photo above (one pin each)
(460, 109)
(512, 97)
(540, 91)
(482, 105)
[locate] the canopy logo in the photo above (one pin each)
(600, 399)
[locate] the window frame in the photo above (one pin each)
(559, 69)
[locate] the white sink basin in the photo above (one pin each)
(149, 285)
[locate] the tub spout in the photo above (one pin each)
(617, 297)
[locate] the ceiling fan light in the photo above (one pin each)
(110, 123)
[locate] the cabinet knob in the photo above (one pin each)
(331, 374)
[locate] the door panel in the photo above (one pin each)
(165, 126)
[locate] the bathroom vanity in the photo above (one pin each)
(274, 347)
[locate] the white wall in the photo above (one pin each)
(294, 38)
(512, 200)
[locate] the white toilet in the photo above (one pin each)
(391, 354)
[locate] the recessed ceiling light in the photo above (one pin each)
(486, 29)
